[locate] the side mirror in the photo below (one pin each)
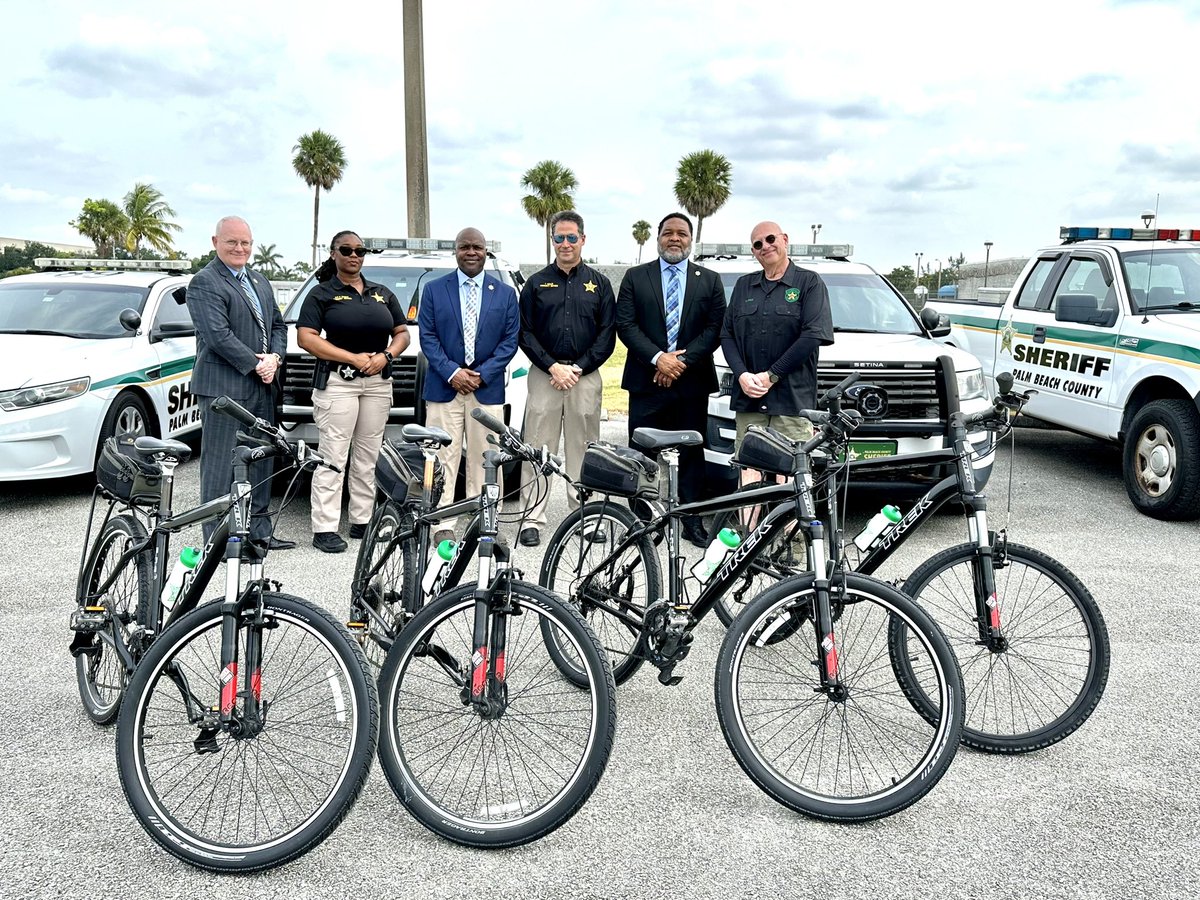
(130, 319)
(935, 323)
(179, 295)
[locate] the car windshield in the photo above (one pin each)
(72, 310)
(1164, 279)
(858, 302)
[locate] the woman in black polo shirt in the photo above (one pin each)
(357, 327)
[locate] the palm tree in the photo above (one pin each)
(102, 223)
(551, 185)
(321, 161)
(147, 213)
(641, 234)
(267, 259)
(702, 185)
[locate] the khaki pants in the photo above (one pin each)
(455, 419)
(351, 416)
(574, 416)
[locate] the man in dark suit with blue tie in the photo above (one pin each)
(669, 315)
(240, 342)
(468, 323)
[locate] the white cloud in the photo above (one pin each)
(23, 194)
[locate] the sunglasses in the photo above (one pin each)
(758, 245)
(569, 238)
(360, 252)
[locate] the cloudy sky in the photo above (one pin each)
(927, 127)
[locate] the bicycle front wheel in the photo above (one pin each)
(384, 581)
(99, 671)
(267, 788)
(1051, 671)
(502, 779)
(612, 595)
(853, 754)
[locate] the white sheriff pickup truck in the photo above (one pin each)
(1105, 327)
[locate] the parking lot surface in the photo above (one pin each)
(1112, 811)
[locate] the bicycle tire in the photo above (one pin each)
(869, 755)
(99, 671)
(242, 805)
(786, 554)
(631, 581)
(504, 781)
(1051, 676)
(392, 591)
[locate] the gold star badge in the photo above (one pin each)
(590, 287)
(378, 297)
(1006, 337)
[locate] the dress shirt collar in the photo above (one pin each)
(463, 278)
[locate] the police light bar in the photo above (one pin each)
(1074, 233)
(826, 251)
(141, 265)
(426, 244)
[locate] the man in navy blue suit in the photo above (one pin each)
(468, 323)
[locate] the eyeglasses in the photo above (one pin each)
(360, 252)
(569, 238)
(758, 245)
(245, 245)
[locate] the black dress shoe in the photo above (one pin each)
(328, 542)
(530, 537)
(280, 543)
(358, 530)
(693, 531)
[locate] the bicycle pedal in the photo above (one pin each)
(666, 678)
(89, 619)
(206, 740)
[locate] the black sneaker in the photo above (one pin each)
(358, 531)
(530, 537)
(329, 542)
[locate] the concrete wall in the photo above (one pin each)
(21, 244)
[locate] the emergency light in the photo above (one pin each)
(825, 251)
(425, 244)
(141, 265)
(1073, 233)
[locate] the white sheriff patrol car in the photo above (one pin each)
(91, 348)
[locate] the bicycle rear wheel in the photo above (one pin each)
(623, 587)
(860, 755)
(513, 777)
(1051, 673)
(385, 581)
(99, 671)
(244, 798)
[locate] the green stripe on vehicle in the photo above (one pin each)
(142, 376)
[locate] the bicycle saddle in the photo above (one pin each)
(148, 446)
(418, 433)
(657, 438)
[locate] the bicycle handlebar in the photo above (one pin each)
(831, 399)
(511, 441)
(300, 453)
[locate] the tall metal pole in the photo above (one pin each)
(415, 141)
(816, 229)
(918, 283)
(987, 245)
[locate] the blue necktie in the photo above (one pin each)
(255, 307)
(672, 307)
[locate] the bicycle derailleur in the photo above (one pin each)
(666, 640)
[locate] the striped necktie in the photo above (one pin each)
(470, 321)
(672, 307)
(255, 307)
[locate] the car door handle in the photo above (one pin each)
(1039, 334)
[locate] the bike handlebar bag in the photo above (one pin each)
(766, 450)
(400, 470)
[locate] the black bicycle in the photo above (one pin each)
(1030, 640)
(805, 692)
(246, 726)
(484, 740)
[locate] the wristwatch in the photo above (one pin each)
(388, 354)
(772, 377)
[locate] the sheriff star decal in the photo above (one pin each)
(791, 295)
(378, 297)
(590, 287)
(1007, 333)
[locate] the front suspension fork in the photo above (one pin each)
(983, 569)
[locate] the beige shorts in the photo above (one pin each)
(796, 428)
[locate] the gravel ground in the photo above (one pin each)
(1111, 811)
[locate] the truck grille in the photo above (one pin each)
(297, 388)
(912, 392)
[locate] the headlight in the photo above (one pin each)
(23, 398)
(971, 385)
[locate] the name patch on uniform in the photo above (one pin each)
(342, 297)
(548, 284)
(791, 295)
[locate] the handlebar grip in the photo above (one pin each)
(487, 420)
(1004, 383)
(234, 410)
(838, 389)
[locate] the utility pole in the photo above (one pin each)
(416, 146)
(987, 246)
(816, 229)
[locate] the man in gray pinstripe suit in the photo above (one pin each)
(240, 342)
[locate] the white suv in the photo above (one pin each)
(877, 334)
(91, 348)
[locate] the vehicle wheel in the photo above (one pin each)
(613, 597)
(385, 581)
(266, 789)
(1052, 673)
(511, 777)
(1162, 460)
(127, 415)
(98, 669)
(860, 754)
